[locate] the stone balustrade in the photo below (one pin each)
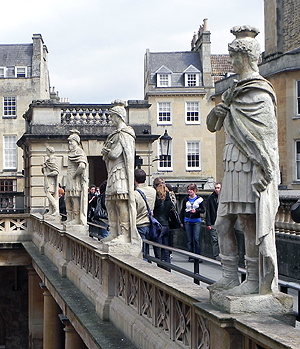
(95, 115)
(152, 307)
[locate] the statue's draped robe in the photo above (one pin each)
(251, 153)
(78, 187)
(120, 182)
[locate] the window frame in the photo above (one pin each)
(297, 160)
(162, 110)
(169, 159)
(188, 151)
(193, 122)
(8, 184)
(19, 67)
(187, 80)
(160, 80)
(10, 153)
(297, 98)
(8, 109)
(4, 72)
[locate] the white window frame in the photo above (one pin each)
(164, 113)
(163, 80)
(4, 72)
(297, 98)
(9, 107)
(192, 113)
(163, 163)
(19, 69)
(189, 82)
(9, 152)
(297, 160)
(193, 148)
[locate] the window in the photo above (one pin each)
(191, 79)
(21, 72)
(8, 185)
(298, 97)
(164, 80)
(9, 152)
(164, 113)
(192, 113)
(297, 160)
(165, 161)
(9, 107)
(193, 156)
(7, 201)
(2, 72)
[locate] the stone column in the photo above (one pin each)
(52, 330)
(72, 338)
(35, 310)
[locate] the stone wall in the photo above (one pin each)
(14, 307)
(291, 24)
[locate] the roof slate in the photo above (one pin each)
(14, 55)
(177, 62)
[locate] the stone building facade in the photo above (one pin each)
(179, 87)
(49, 124)
(24, 76)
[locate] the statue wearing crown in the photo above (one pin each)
(249, 192)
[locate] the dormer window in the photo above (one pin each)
(192, 80)
(163, 76)
(21, 72)
(2, 72)
(164, 80)
(191, 77)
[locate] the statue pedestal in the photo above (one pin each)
(79, 229)
(122, 248)
(278, 305)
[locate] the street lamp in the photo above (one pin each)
(165, 142)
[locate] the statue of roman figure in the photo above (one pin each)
(51, 171)
(77, 182)
(251, 171)
(118, 153)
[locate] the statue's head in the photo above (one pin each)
(119, 109)
(50, 150)
(246, 44)
(74, 137)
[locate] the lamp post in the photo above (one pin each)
(165, 147)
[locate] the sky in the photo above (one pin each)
(97, 47)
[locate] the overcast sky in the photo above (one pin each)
(97, 47)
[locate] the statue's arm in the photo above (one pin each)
(81, 167)
(115, 152)
(52, 173)
(214, 120)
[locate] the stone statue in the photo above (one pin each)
(77, 182)
(50, 171)
(251, 171)
(119, 153)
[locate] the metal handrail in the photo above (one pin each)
(284, 286)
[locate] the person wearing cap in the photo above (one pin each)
(251, 171)
(119, 153)
(50, 171)
(77, 182)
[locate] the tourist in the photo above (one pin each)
(192, 208)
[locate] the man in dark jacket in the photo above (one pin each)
(211, 215)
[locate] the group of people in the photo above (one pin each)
(161, 201)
